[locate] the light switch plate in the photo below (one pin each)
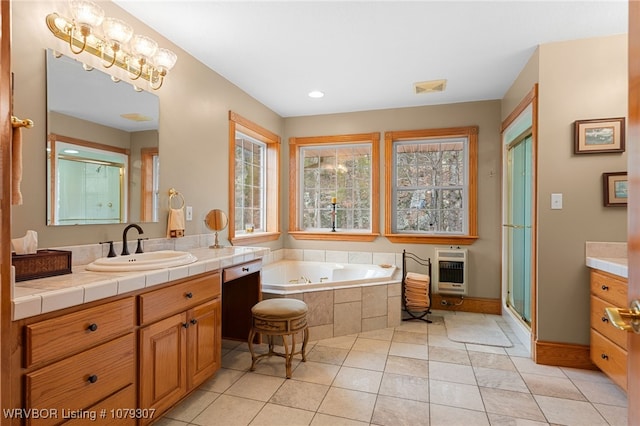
(556, 201)
(189, 213)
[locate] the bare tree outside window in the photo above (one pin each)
(336, 168)
(254, 196)
(249, 183)
(340, 172)
(431, 185)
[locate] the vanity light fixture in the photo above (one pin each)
(116, 33)
(113, 41)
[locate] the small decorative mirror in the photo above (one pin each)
(216, 220)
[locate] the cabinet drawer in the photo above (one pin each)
(610, 358)
(82, 380)
(238, 271)
(119, 409)
(609, 288)
(51, 339)
(601, 323)
(167, 301)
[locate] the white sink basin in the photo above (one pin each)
(142, 261)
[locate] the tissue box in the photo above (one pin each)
(44, 263)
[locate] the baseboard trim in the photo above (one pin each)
(563, 355)
(469, 304)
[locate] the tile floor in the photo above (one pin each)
(408, 375)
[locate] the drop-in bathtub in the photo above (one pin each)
(343, 298)
(289, 276)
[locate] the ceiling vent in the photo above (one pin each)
(135, 116)
(430, 86)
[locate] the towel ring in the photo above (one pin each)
(174, 194)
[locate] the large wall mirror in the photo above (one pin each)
(103, 154)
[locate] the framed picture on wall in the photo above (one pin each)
(615, 189)
(596, 136)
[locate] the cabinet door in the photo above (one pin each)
(163, 368)
(204, 341)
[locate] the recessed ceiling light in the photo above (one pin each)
(316, 94)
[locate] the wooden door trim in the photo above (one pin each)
(530, 98)
(633, 208)
(5, 204)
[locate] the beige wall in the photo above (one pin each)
(523, 84)
(578, 80)
(584, 79)
(65, 125)
(194, 105)
(484, 254)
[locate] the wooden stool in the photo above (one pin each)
(279, 317)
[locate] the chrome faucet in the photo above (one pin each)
(125, 249)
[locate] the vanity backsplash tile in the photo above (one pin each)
(334, 257)
(605, 249)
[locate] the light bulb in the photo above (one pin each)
(143, 46)
(164, 60)
(86, 13)
(117, 31)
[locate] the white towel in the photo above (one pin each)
(175, 223)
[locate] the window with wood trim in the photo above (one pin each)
(431, 186)
(340, 169)
(254, 189)
(150, 189)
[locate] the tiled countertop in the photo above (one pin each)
(43, 295)
(612, 265)
(609, 257)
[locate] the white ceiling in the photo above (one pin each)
(367, 55)
(93, 96)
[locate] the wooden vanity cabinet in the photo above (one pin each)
(120, 356)
(183, 349)
(608, 344)
(80, 360)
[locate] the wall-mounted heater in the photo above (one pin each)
(451, 271)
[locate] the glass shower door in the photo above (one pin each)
(518, 227)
